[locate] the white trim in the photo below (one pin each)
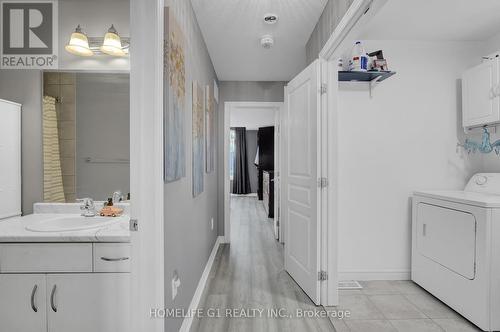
(146, 164)
(228, 106)
(195, 302)
(347, 29)
(282, 218)
(357, 9)
(374, 274)
(11, 102)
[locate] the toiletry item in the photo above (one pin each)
(109, 203)
(359, 59)
(117, 196)
(340, 64)
(110, 211)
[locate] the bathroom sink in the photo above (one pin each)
(71, 223)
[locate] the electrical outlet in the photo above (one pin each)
(212, 223)
(176, 282)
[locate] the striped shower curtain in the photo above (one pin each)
(53, 190)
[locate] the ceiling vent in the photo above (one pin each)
(271, 18)
(267, 41)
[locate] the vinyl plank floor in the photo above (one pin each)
(249, 274)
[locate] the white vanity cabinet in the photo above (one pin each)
(88, 302)
(61, 287)
(481, 94)
(23, 302)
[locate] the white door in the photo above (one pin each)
(22, 303)
(300, 177)
(98, 302)
(481, 94)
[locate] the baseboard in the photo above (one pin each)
(374, 275)
(195, 302)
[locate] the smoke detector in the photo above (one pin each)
(271, 18)
(267, 41)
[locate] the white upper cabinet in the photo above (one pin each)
(481, 94)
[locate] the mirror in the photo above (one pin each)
(86, 136)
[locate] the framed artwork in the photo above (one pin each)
(174, 102)
(209, 129)
(198, 140)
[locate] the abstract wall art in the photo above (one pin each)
(198, 140)
(209, 129)
(174, 78)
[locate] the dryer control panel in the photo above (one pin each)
(487, 183)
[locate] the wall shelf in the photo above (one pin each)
(371, 77)
(367, 76)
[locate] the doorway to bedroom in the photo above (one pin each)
(252, 164)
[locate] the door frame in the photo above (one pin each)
(277, 179)
(146, 164)
(347, 31)
(228, 106)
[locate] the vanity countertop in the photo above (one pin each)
(14, 230)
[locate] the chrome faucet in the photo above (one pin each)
(87, 207)
(117, 197)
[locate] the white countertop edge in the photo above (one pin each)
(12, 230)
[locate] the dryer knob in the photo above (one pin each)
(481, 180)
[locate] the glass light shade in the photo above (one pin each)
(79, 44)
(112, 44)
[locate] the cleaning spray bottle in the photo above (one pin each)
(359, 59)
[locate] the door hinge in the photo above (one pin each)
(322, 182)
(324, 88)
(134, 225)
(322, 275)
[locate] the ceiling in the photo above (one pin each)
(454, 20)
(232, 31)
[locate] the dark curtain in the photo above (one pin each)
(241, 177)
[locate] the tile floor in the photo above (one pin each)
(396, 306)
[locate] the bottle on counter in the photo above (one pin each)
(359, 58)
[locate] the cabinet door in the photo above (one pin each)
(481, 103)
(22, 302)
(97, 302)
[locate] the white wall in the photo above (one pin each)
(252, 118)
(401, 140)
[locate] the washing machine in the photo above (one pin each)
(456, 248)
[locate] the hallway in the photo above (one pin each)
(249, 275)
